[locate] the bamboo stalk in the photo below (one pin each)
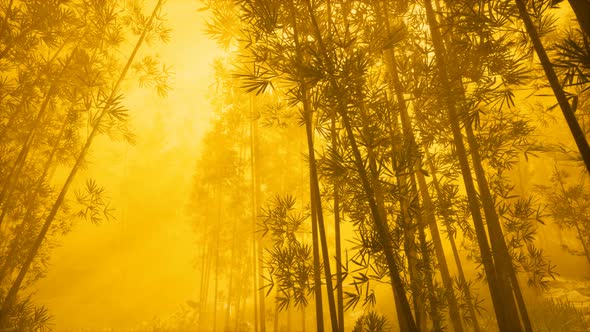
(501, 295)
(566, 109)
(12, 293)
(405, 317)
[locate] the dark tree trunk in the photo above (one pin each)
(316, 207)
(504, 267)
(582, 10)
(501, 295)
(462, 279)
(566, 109)
(405, 316)
(260, 310)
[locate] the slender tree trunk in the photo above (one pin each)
(566, 109)
(416, 284)
(428, 208)
(339, 278)
(259, 308)
(334, 141)
(230, 287)
(506, 275)
(217, 236)
(382, 12)
(316, 213)
(26, 226)
(204, 284)
(582, 10)
(462, 279)
(206, 269)
(427, 264)
(316, 201)
(339, 289)
(505, 271)
(317, 206)
(427, 202)
(503, 259)
(506, 315)
(13, 291)
(316, 270)
(405, 316)
(409, 227)
(9, 185)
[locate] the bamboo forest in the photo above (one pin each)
(294, 165)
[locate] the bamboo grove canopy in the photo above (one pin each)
(370, 165)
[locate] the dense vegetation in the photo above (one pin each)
(372, 165)
(411, 123)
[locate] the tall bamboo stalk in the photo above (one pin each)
(582, 10)
(217, 236)
(503, 260)
(25, 227)
(259, 296)
(435, 314)
(316, 202)
(405, 317)
(501, 293)
(409, 225)
(8, 186)
(416, 167)
(339, 279)
(12, 293)
(564, 105)
(460, 272)
(336, 209)
(204, 289)
(502, 257)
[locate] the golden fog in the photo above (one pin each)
(227, 134)
(141, 265)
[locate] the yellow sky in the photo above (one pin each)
(141, 265)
